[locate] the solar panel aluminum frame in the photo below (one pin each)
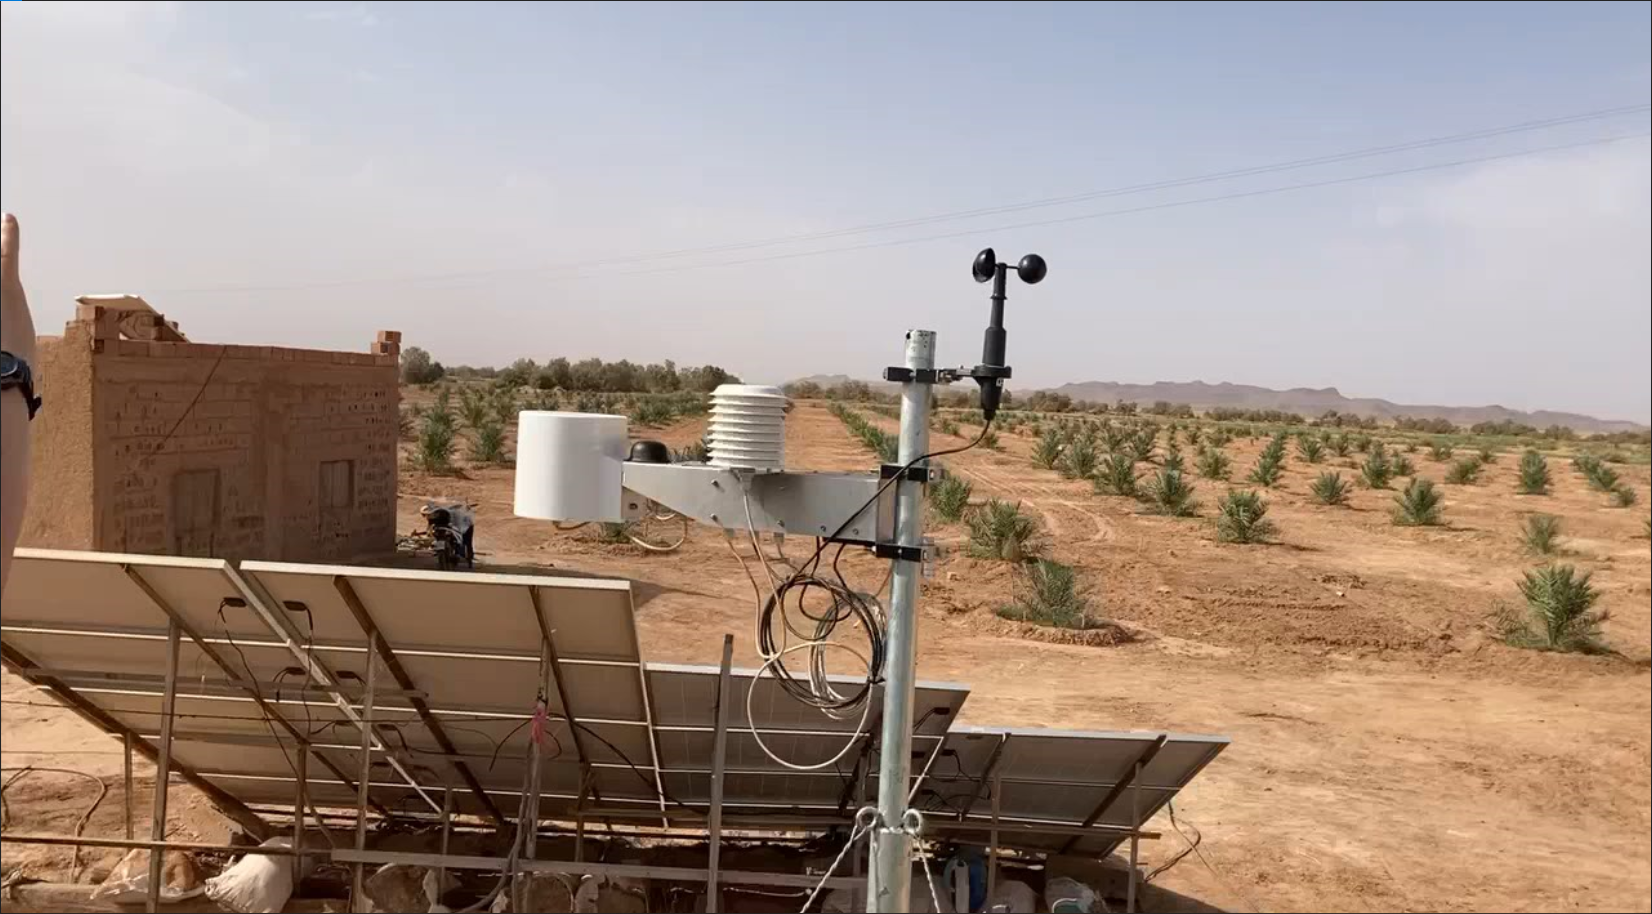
(145, 572)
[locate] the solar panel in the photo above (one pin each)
(274, 653)
(1065, 778)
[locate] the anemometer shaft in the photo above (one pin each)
(890, 876)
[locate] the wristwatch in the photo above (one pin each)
(14, 372)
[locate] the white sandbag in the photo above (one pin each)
(128, 882)
(399, 887)
(612, 895)
(1063, 894)
(256, 884)
(1012, 896)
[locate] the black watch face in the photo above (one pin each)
(10, 365)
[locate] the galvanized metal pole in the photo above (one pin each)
(358, 876)
(447, 831)
(530, 834)
(163, 765)
(890, 884)
(126, 772)
(714, 854)
(300, 802)
(1135, 839)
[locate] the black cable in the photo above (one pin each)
(252, 681)
(847, 604)
(211, 373)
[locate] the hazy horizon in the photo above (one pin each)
(782, 190)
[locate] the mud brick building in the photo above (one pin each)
(150, 443)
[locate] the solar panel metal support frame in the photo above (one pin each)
(393, 664)
(1043, 771)
(991, 772)
(548, 639)
(242, 814)
(249, 688)
(714, 833)
(1132, 781)
(163, 762)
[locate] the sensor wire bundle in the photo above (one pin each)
(786, 625)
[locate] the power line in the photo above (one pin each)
(1083, 217)
(1228, 175)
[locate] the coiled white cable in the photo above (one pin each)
(860, 727)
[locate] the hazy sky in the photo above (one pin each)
(497, 180)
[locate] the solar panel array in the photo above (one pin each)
(274, 653)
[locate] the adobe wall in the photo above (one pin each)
(60, 514)
(245, 452)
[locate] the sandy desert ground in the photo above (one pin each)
(1387, 753)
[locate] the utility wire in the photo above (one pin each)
(1226, 175)
(1084, 217)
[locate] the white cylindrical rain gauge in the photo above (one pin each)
(748, 427)
(570, 466)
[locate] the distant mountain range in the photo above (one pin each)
(1303, 400)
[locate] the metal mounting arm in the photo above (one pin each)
(800, 504)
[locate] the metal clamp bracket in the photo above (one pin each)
(920, 375)
(912, 474)
(899, 553)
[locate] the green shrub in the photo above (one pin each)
(1487, 455)
(1340, 444)
(1267, 471)
(1275, 449)
(504, 405)
(407, 422)
(949, 427)
(488, 443)
(1541, 533)
(435, 451)
(1116, 438)
(1559, 616)
(949, 497)
(1047, 452)
(1116, 476)
(1419, 505)
(1464, 472)
(1330, 489)
(1219, 437)
(998, 530)
(1213, 464)
(1376, 470)
(1363, 443)
(1241, 517)
(1141, 443)
(1173, 459)
(1411, 446)
(1169, 493)
(1602, 478)
(1080, 460)
(650, 411)
(1048, 593)
(1534, 474)
(1194, 433)
(1624, 497)
(1440, 452)
(1402, 466)
(473, 407)
(695, 452)
(1310, 448)
(989, 440)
